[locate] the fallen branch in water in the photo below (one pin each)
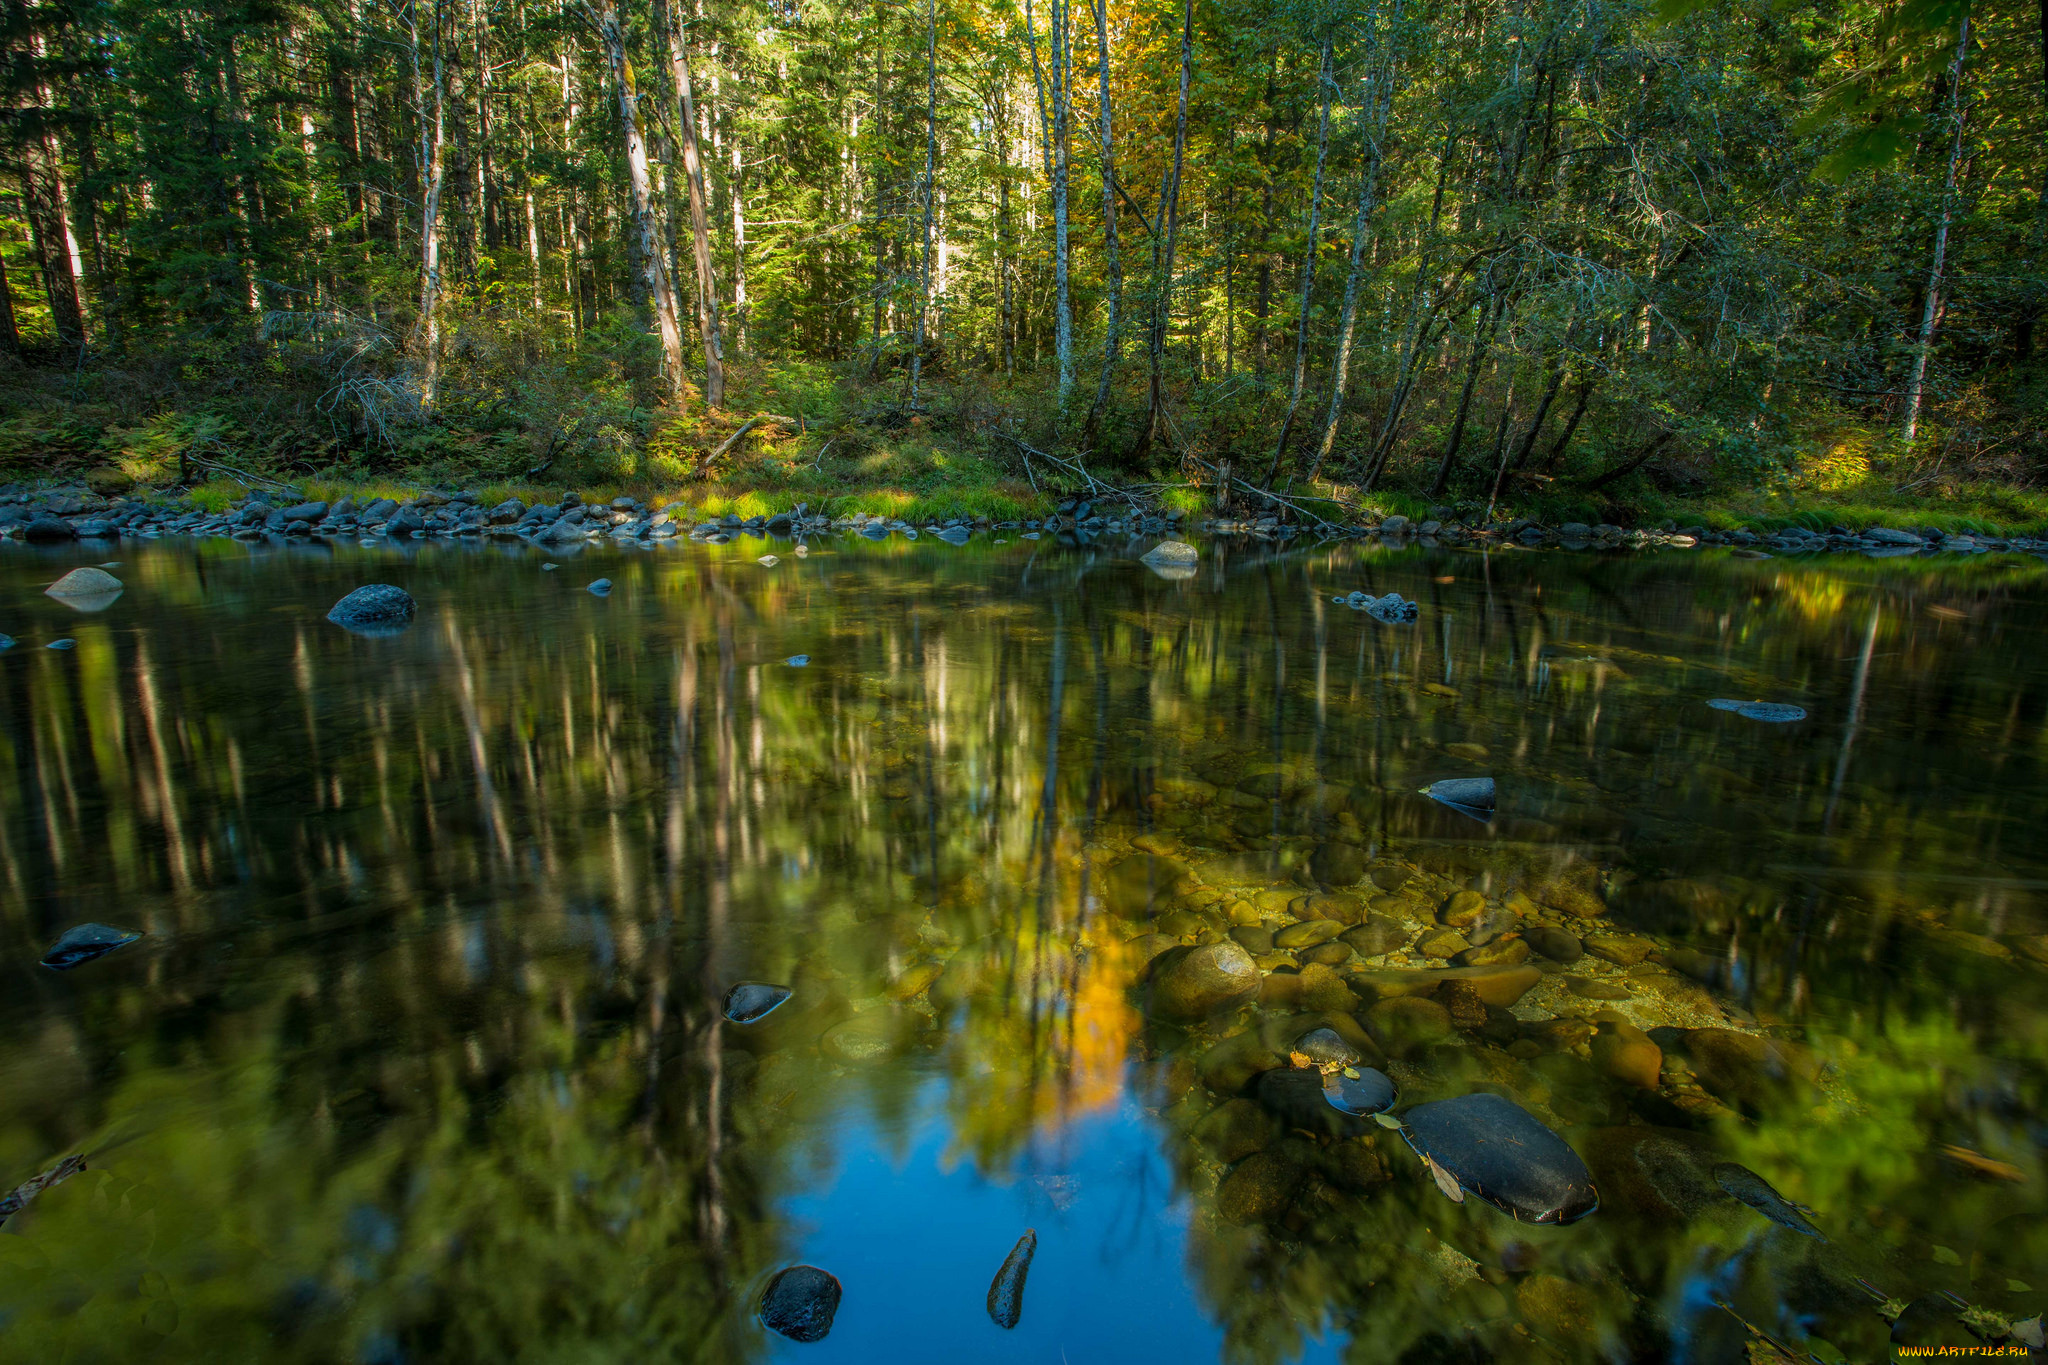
(35, 1185)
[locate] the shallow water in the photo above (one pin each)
(421, 1060)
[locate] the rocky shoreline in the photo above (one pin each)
(61, 514)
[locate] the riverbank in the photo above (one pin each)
(313, 508)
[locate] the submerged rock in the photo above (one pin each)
(1188, 984)
(1625, 1052)
(753, 1000)
(1773, 712)
(601, 588)
(800, 1303)
(1295, 1096)
(1259, 1189)
(1755, 1191)
(84, 942)
(1337, 864)
(1377, 936)
(375, 609)
(1497, 1150)
(1006, 1291)
(1139, 882)
(1327, 1047)
(798, 660)
(1471, 796)
(1235, 1129)
(1554, 943)
(1307, 934)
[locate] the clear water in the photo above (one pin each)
(421, 1058)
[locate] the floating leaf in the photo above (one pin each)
(1445, 1181)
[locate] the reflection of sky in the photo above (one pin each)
(915, 1245)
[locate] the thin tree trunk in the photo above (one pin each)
(433, 169)
(10, 337)
(1169, 199)
(1053, 128)
(1414, 330)
(1528, 441)
(1571, 424)
(1372, 127)
(1929, 313)
(1308, 263)
(700, 231)
(1482, 342)
(931, 154)
(659, 289)
(1112, 342)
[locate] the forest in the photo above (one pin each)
(1486, 250)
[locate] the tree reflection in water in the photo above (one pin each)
(423, 1057)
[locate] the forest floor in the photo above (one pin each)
(853, 447)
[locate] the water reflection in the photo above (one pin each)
(425, 1052)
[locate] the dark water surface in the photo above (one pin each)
(421, 1058)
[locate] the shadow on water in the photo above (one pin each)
(431, 1047)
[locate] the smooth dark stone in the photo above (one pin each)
(602, 587)
(405, 521)
(1295, 1096)
(1554, 943)
(1006, 1291)
(1757, 1192)
(47, 527)
(1379, 934)
(1471, 796)
(1497, 1150)
(873, 532)
(954, 535)
(84, 942)
(1370, 1092)
(375, 609)
(800, 1303)
(752, 1000)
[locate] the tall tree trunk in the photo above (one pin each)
(1414, 330)
(1482, 342)
(1324, 85)
(660, 291)
(1054, 132)
(1372, 128)
(1169, 210)
(700, 231)
(1112, 341)
(1931, 310)
(433, 169)
(931, 155)
(10, 337)
(736, 190)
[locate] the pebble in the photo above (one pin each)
(602, 587)
(800, 1303)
